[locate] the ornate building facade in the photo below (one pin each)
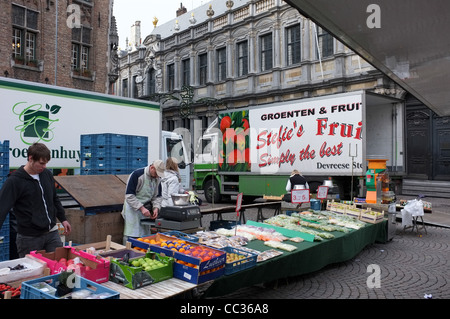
(232, 54)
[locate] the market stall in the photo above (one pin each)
(165, 265)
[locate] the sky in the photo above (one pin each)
(127, 12)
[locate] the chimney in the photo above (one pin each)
(181, 10)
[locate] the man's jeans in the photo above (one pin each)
(48, 242)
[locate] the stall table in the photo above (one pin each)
(307, 258)
(160, 290)
(276, 205)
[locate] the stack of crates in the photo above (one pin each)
(109, 153)
(4, 229)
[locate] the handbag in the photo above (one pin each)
(287, 197)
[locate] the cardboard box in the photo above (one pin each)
(94, 228)
(193, 275)
(95, 268)
(134, 277)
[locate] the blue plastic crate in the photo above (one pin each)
(137, 141)
(4, 147)
(4, 240)
(248, 261)
(135, 163)
(4, 158)
(4, 251)
(137, 151)
(28, 291)
(104, 139)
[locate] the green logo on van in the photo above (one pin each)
(36, 124)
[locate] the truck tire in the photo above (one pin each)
(212, 191)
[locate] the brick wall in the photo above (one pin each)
(54, 50)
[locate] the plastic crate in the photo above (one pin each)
(137, 162)
(248, 262)
(104, 139)
(137, 141)
(4, 240)
(29, 291)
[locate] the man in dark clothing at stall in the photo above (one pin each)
(30, 191)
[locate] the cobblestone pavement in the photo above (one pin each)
(411, 266)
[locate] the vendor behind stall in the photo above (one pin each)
(296, 179)
(141, 199)
(171, 182)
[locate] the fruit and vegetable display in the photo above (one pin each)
(147, 264)
(252, 232)
(278, 245)
(4, 288)
(187, 248)
(140, 270)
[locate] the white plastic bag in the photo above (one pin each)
(406, 218)
(415, 207)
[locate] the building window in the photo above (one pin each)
(221, 64)
(186, 123)
(186, 65)
(24, 33)
(242, 58)
(125, 87)
(203, 68)
(170, 125)
(266, 52)
(293, 49)
(135, 87)
(325, 41)
(170, 77)
(151, 83)
(81, 44)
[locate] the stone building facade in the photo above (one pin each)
(65, 43)
(233, 54)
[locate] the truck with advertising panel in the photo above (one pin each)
(33, 112)
(254, 150)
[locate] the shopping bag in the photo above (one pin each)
(414, 207)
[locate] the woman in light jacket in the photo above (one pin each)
(171, 182)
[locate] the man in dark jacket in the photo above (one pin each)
(30, 191)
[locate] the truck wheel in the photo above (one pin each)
(212, 191)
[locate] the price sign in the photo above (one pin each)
(322, 192)
(300, 196)
(239, 203)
